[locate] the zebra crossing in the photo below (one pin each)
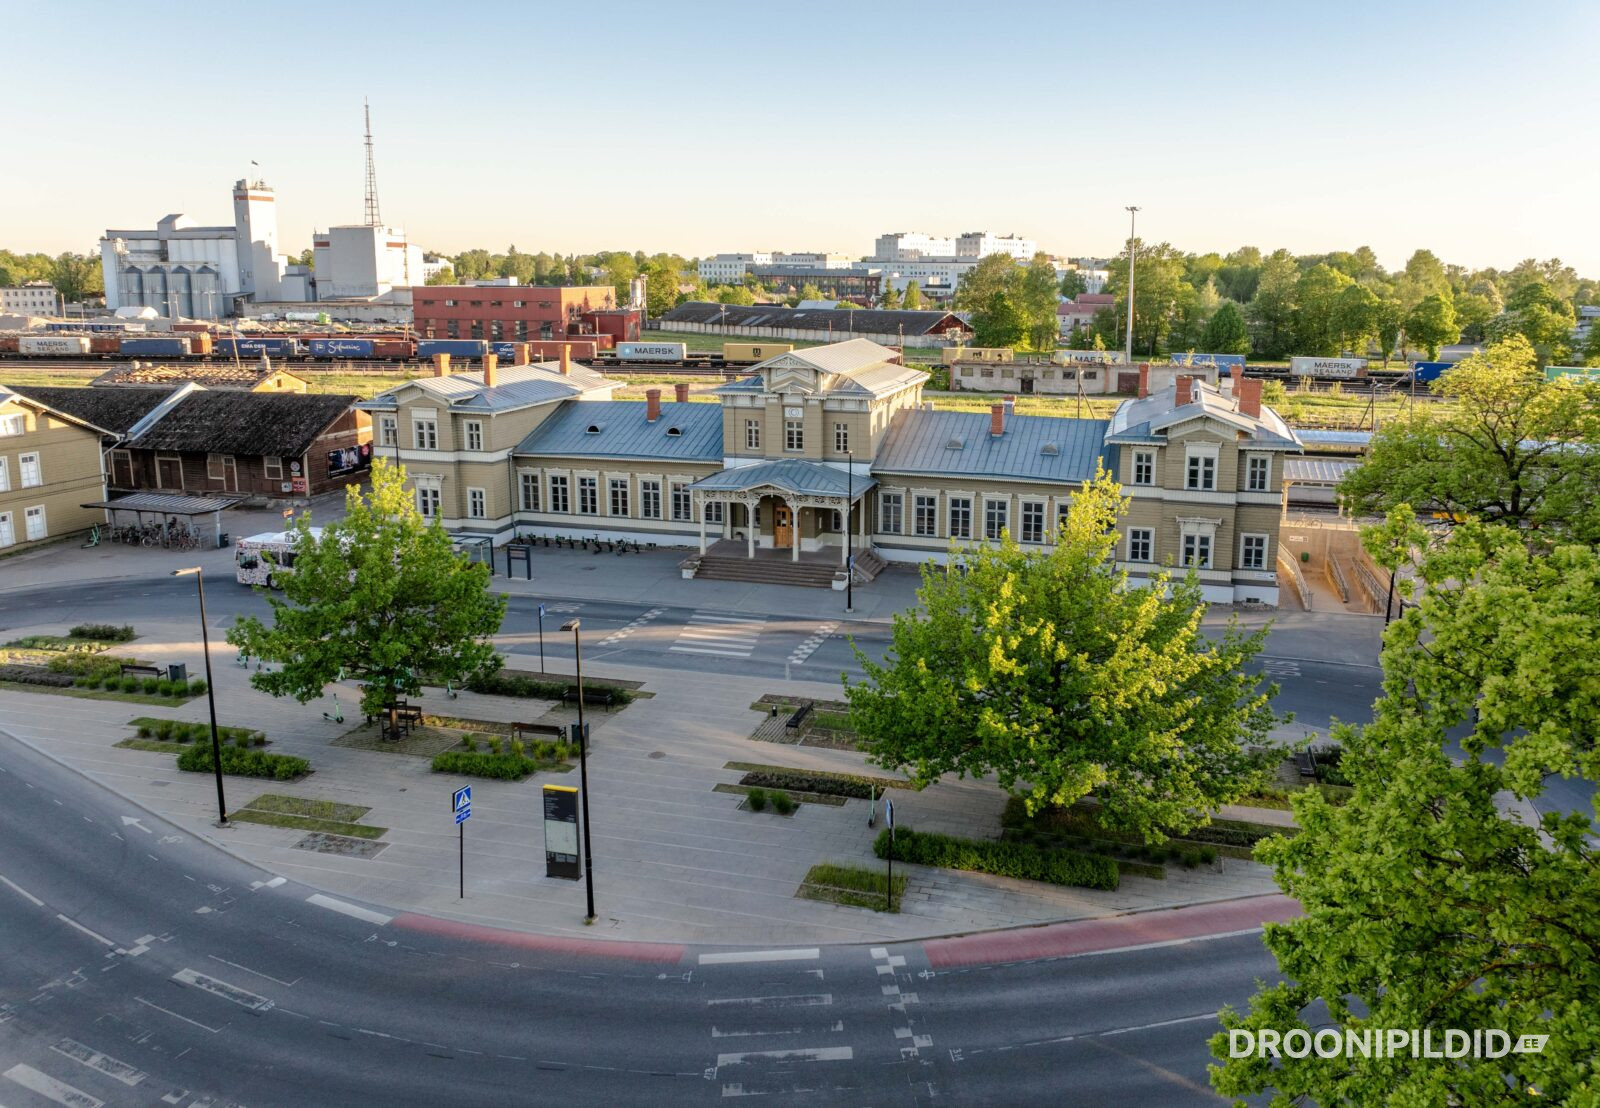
(816, 639)
(723, 636)
(1280, 667)
(623, 632)
(765, 1043)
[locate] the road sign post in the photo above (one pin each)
(888, 818)
(541, 638)
(461, 805)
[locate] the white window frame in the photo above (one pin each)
(1145, 459)
(794, 436)
(1200, 468)
(891, 513)
(14, 424)
(430, 501)
(472, 434)
(388, 430)
(960, 508)
(272, 467)
(560, 493)
(713, 511)
(996, 508)
(925, 515)
(216, 467)
(5, 474)
(1037, 509)
(8, 532)
(1245, 542)
(1258, 464)
(28, 516)
(29, 464)
(477, 503)
(528, 484)
(617, 491)
(1197, 549)
(589, 493)
(424, 433)
(650, 499)
(752, 434)
(1141, 536)
(841, 438)
(682, 502)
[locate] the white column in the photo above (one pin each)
(750, 526)
(794, 530)
(702, 507)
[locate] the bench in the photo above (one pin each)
(140, 671)
(608, 697)
(1305, 763)
(551, 730)
(799, 716)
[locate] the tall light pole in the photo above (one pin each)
(849, 548)
(211, 689)
(1133, 215)
(573, 625)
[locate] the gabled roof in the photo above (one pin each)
(618, 429)
(517, 386)
(1143, 419)
(857, 366)
(253, 423)
(7, 395)
(794, 475)
(113, 411)
(840, 321)
(245, 376)
(958, 444)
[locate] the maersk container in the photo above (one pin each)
(255, 347)
(341, 348)
(1221, 361)
(651, 351)
(53, 346)
(456, 348)
(1346, 368)
(172, 347)
(1423, 372)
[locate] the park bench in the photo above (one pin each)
(607, 697)
(140, 671)
(543, 730)
(799, 716)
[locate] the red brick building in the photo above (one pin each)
(522, 313)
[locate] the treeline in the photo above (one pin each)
(670, 279)
(74, 276)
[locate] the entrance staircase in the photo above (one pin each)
(729, 561)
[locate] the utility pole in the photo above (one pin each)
(1133, 215)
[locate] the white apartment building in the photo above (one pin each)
(730, 268)
(910, 246)
(980, 244)
(36, 298)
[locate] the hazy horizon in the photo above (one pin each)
(1454, 128)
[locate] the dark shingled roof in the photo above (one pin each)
(842, 320)
(245, 376)
(242, 422)
(114, 410)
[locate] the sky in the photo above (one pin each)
(698, 127)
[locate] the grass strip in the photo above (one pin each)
(794, 794)
(312, 809)
(99, 694)
(1004, 859)
(307, 823)
(854, 886)
(244, 763)
(822, 774)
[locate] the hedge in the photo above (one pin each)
(505, 683)
(504, 767)
(1005, 859)
(244, 763)
(34, 675)
(1082, 821)
(105, 632)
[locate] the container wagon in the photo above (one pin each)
(255, 347)
(754, 352)
(651, 351)
(53, 346)
(1424, 372)
(456, 348)
(1337, 369)
(508, 351)
(549, 350)
(340, 348)
(172, 346)
(394, 349)
(994, 354)
(1088, 357)
(1221, 361)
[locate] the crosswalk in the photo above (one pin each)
(816, 639)
(623, 632)
(1280, 667)
(56, 1079)
(765, 1044)
(725, 636)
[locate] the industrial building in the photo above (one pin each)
(509, 312)
(360, 262)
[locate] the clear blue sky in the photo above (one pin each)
(704, 126)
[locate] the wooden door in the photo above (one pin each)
(782, 527)
(169, 473)
(230, 473)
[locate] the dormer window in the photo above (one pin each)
(1050, 449)
(954, 444)
(594, 429)
(674, 432)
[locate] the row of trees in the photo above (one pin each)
(74, 276)
(666, 274)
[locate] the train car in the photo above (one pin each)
(1337, 369)
(394, 349)
(549, 350)
(1088, 357)
(254, 347)
(456, 348)
(102, 343)
(200, 343)
(340, 348)
(950, 355)
(754, 351)
(1221, 361)
(8, 343)
(53, 346)
(170, 346)
(507, 351)
(651, 351)
(1423, 372)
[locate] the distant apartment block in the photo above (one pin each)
(35, 298)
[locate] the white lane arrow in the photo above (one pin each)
(129, 821)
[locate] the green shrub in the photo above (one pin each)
(503, 767)
(504, 683)
(782, 802)
(494, 744)
(469, 741)
(128, 684)
(104, 632)
(89, 665)
(151, 685)
(828, 784)
(244, 763)
(758, 799)
(145, 730)
(517, 748)
(197, 686)
(1006, 859)
(1208, 854)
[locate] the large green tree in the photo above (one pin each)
(1355, 318)
(1038, 293)
(1318, 319)
(913, 297)
(1226, 331)
(1432, 324)
(1272, 311)
(1000, 322)
(379, 596)
(1430, 902)
(1511, 447)
(1054, 672)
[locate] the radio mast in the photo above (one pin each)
(372, 217)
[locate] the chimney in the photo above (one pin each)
(491, 368)
(652, 405)
(680, 392)
(1237, 373)
(1011, 405)
(997, 420)
(566, 357)
(1250, 397)
(441, 365)
(1182, 386)
(519, 353)
(1144, 380)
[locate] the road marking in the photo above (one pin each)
(175, 1015)
(350, 910)
(16, 888)
(104, 1063)
(623, 632)
(739, 957)
(95, 935)
(47, 1086)
(816, 639)
(273, 884)
(719, 1033)
(729, 636)
(801, 1054)
(796, 1000)
(131, 821)
(244, 998)
(258, 973)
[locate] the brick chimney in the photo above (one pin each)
(566, 357)
(519, 353)
(652, 405)
(1183, 394)
(441, 365)
(997, 420)
(1237, 374)
(1250, 397)
(491, 370)
(680, 392)
(1144, 379)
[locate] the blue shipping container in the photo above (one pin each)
(277, 348)
(1219, 360)
(341, 348)
(504, 350)
(1423, 372)
(155, 348)
(456, 348)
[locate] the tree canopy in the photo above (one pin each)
(1055, 673)
(380, 596)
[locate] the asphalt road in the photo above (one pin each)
(144, 967)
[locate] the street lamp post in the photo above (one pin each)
(574, 625)
(211, 689)
(1133, 215)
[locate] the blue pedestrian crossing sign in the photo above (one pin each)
(461, 803)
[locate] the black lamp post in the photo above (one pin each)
(211, 689)
(849, 548)
(574, 625)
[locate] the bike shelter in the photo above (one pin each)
(162, 508)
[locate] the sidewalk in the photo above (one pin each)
(673, 859)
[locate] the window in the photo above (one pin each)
(1062, 509)
(682, 505)
(477, 504)
(519, 303)
(588, 496)
(1253, 552)
(619, 496)
(424, 434)
(1197, 551)
(32, 474)
(752, 434)
(8, 535)
(496, 331)
(650, 499)
(1033, 521)
(925, 515)
(388, 432)
(5, 474)
(1141, 544)
(994, 518)
(474, 432)
(449, 303)
(215, 466)
(891, 507)
(452, 329)
(1202, 472)
(272, 468)
(12, 425)
(1144, 467)
(530, 492)
(428, 503)
(794, 435)
(986, 371)
(960, 517)
(836, 521)
(841, 438)
(1257, 472)
(35, 525)
(713, 511)
(558, 495)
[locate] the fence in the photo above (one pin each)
(1336, 577)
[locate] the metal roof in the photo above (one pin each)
(618, 429)
(1139, 419)
(1335, 438)
(170, 504)
(958, 444)
(1316, 471)
(517, 386)
(841, 321)
(791, 474)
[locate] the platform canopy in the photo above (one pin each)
(165, 505)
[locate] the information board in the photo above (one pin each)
(561, 832)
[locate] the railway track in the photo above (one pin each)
(350, 368)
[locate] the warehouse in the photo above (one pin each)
(524, 313)
(770, 321)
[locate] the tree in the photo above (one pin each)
(1226, 331)
(735, 294)
(1158, 287)
(1073, 284)
(1355, 318)
(380, 597)
(999, 322)
(1432, 323)
(889, 299)
(307, 258)
(1318, 298)
(1512, 448)
(809, 291)
(76, 276)
(913, 297)
(1272, 312)
(445, 276)
(1591, 347)
(662, 278)
(1038, 293)
(1429, 905)
(1054, 672)
(1388, 322)
(1239, 274)
(993, 273)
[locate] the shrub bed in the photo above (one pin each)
(855, 886)
(815, 781)
(103, 632)
(1005, 859)
(172, 730)
(1082, 821)
(244, 763)
(59, 643)
(143, 686)
(508, 683)
(35, 675)
(507, 766)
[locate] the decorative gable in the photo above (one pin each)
(796, 378)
